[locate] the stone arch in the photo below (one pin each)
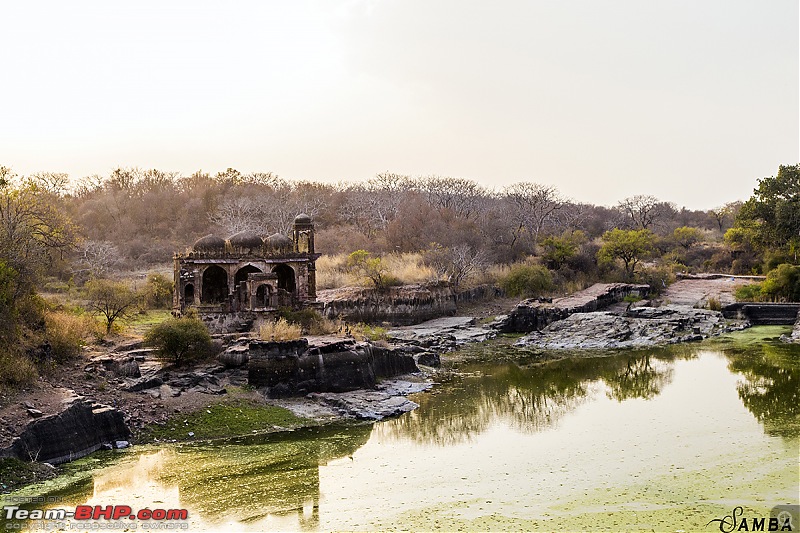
(263, 293)
(242, 273)
(286, 277)
(215, 285)
(188, 294)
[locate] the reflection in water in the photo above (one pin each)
(770, 388)
(663, 439)
(243, 480)
(528, 398)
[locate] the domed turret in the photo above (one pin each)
(209, 243)
(245, 239)
(302, 218)
(277, 240)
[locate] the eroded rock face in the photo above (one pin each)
(442, 334)
(292, 368)
(639, 327)
(534, 314)
(80, 429)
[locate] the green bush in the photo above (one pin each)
(180, 340)
(527, 280)
(158, 292)
(782, 283)
(659, 278)
(748, 293)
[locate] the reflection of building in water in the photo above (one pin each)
(257, 483)
(248, 273)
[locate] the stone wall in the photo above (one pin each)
(533, 314)
(293, 367)
(82, 428)
(409, 304)
(764, 314)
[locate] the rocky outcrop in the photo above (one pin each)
(294, 367)
(639, 327)
(386, 400)
(442, 334)
(80, 429)
(795, 335)
(404, 305)
(535, 314)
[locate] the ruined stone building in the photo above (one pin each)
(246, 273)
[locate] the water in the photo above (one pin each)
(662, 440)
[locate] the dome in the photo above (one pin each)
(209, 243)
(245, 239)
(278, 241)
(302, 218)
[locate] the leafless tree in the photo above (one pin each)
(533, 206)
(645, 211)
(456, 263)
(97, 258)
(459, 195)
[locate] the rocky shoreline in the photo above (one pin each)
(117, 393)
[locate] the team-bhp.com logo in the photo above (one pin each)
(155, 518)
(782, 518)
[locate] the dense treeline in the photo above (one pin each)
(527, 237)
(135, 218)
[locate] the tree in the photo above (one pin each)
(527, 280)
(558, 250)
(773, 212)
(645, 211)
(113, 300)
(455, 263)
(628, 245)
(180, 340)
(533, 206)
(686, 236)
(372, 268)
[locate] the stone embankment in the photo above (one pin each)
(332, 365)
(399, 306)
(535, 314)
(441, 334)
(763, 314)
(80, 429)
(637, 327)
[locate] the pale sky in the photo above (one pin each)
(687, 100)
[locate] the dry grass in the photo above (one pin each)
(409, 268)
(16, 371)
(67, 333)
(280, 330)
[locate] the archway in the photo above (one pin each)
(242, 273)
(188, 294)
(285, 277)
(262, 296)
(215, 285)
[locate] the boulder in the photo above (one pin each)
(80, 429)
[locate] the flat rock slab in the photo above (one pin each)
(443, 333)
(698, 291)
(643, 326)
(387, 400)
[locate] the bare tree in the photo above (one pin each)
(645, 211)
(533, 206)
(459, 195)
(455, 263)
(97, 258)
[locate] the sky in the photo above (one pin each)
(688, 100)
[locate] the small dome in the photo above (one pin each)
(278, 241)
(245, 239)
(302, 218)
(209, 243)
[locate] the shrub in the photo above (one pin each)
(526, 280)
(67, 333)
(16, 370)
(657, 277)
(158, 292)
(782, 283)
(748, 293)
(280, 330)
(367, 332)
(714, 304)
(180, 340)
(311, 322)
